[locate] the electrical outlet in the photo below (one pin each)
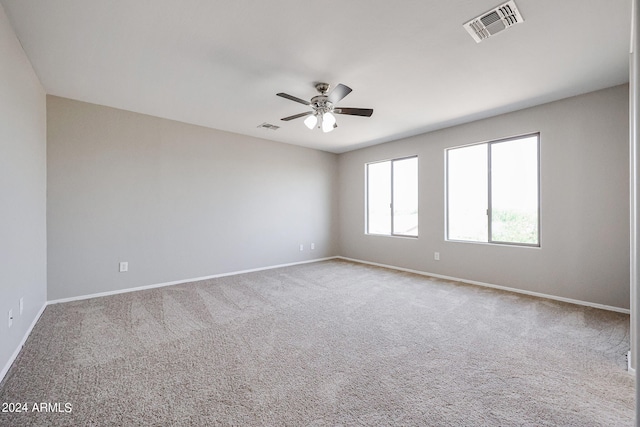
(301, 247)
(21, 305)
(313, 246)
(436, 256)
(10, 318)
(124, 267)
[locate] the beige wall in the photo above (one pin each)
(22, 193)
(174, 200)
(178, 201)
(584, 253)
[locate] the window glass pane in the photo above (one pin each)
(514, 191)
(379, 198)
(405, 196)
(467, 185)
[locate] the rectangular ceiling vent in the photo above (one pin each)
(494, 21)
(269, 126)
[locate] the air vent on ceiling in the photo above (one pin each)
(269, 126)
(494, 21)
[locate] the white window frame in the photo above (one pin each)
(366, 198)
(489, 209)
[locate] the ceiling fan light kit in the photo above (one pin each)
(311, 121)
(328, 122)
(325, 121)
(323, 107)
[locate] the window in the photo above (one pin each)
(392, 197)
(493, 191)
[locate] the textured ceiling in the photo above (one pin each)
(220, 63)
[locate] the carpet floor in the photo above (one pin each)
(332, 343)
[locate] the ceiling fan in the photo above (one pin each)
(323, 107)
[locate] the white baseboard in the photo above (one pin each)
(502, 288)
(13, 357)
(179, 282)
(423, 273)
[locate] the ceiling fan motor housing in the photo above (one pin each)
(321, 104)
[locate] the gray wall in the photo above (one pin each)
(174, 200)
(584, 253)
(23, 245)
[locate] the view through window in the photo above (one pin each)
(392, 197)
(493, 191)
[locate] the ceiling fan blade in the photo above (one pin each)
(296, 116)
(293, 98)
(365, 112)
(339, 92)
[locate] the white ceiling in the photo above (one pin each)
(220, 63)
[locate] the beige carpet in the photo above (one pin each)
(324, 344)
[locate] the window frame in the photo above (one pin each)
(391, 207)
(488, 144)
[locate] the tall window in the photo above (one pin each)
(392, 197)
(493, 191)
